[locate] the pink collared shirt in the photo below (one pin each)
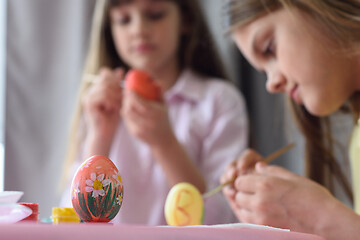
(209, 118)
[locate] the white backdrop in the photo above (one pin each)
(46, 42)
(2, 88)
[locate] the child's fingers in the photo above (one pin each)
(111, 78)
(249, 183)
(244, 200)
(247, 161)
(147, 109)
(98, 102)
(135, 102)
(229, 192)
(102, 94)
(119, 76)
(271, 170)
(230, 173)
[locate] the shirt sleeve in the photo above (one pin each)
(226, 138)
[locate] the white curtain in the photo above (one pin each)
(2, 88)
(46, 45)
(227, 49)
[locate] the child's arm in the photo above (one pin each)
(101, 104)
(177, 164)
(149, 122)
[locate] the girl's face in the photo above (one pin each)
(297, 61)
(147, 33)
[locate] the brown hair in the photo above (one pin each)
(196, 51)
(341, 23)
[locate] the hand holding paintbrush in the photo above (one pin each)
(268, 159)
(137, 81)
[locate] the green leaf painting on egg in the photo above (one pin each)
(97, 190)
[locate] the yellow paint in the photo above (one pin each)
(97, 185)
(64, 215)
(119, 178)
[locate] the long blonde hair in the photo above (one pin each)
(339, 20)
(196, 51)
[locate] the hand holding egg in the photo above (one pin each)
(144, 112)
(142, 84)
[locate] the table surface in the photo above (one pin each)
(88, 231)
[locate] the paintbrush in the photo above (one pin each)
(92, 78)
(268, 159)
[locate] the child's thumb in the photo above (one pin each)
(271, 170)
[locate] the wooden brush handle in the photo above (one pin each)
(268, 159)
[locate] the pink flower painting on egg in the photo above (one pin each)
(97, 193)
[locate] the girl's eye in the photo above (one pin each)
(270, 49)
(123, 20)
(155, 15)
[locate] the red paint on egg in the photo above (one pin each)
(140, 82)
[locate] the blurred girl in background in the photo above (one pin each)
(190, 135)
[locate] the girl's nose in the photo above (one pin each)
(140, 25)
(276, 82)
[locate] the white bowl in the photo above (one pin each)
(12, 212)
(10, 196)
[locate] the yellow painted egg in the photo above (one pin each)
(97, 190)
(184, 205)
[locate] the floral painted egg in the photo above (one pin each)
(184, 205)
(97, 190)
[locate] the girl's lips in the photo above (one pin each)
(144, 48)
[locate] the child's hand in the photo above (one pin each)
(274, 196)
(147, 120)
(102, 103)
(141, 83)
(244, 164)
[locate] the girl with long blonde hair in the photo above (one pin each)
(309, 49)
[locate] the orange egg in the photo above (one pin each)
(140, 82)
(97, 190)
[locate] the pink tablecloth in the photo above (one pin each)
(109, 232)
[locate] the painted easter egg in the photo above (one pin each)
(140, 82)
(184, 205)
(97, 190)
